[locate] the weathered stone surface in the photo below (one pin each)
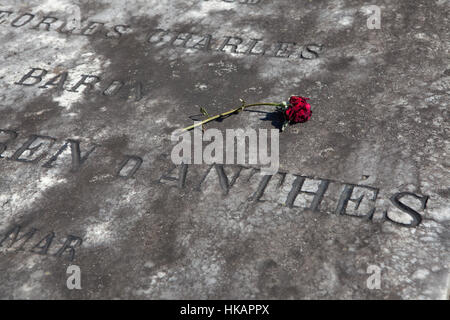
(102, 193)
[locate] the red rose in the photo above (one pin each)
(299, 110)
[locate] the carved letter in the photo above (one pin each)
(15, 232)
(68, 246)
(204, 43)
(91, 28)
(227, 43)
(113, 88)
(311, 51)
(180, 181)
(15, 23)
(297, 189)
(47, 21)
(252, 46)
(346, 196)
(42, 246)
(77, 159)
(284, 49)
(416, 217)
(261, 188)
(183, 38)
(118, 31)
(124, 170)
(161, 37)
(37, 78)
(4, 15)
(12, 135)
(55, 82)
(27, 147)
(89, 85)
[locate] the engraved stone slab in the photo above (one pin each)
(90, 93)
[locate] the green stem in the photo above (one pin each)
(230, 112)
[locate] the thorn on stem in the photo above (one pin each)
(204, 112)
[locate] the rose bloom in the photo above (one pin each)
(299, 110)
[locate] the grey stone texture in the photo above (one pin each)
(113, 79)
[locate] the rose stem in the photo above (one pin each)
(230, 112)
